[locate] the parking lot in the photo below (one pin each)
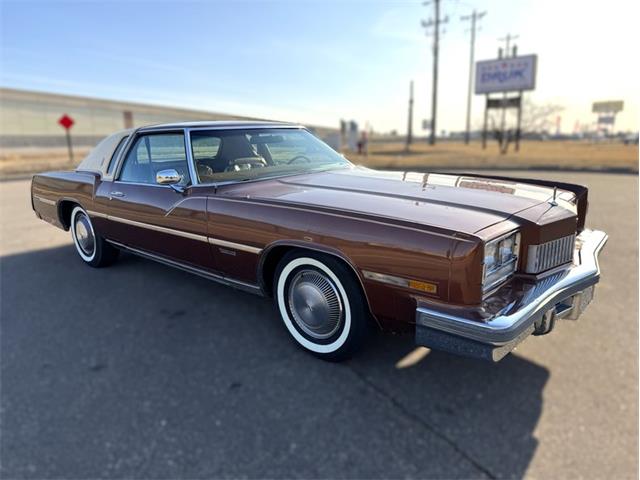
(143, 371)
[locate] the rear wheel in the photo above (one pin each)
(91, 247)
(321, 304)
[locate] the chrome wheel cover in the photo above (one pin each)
(84, 234)
(315, 304)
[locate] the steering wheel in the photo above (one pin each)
(204, 170)
(251, 162)
(299, 157)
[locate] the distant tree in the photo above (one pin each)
(536, 118)
(539, 118)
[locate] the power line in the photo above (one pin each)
(435, 22)
(474, 17)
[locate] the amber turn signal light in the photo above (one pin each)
(423, 286)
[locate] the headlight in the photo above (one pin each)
(500, 259)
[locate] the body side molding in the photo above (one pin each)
(247, 287)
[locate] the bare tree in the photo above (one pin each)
(539, 118)
(536, 118)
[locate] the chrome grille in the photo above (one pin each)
(551, 254)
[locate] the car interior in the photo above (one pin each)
(153, 153)
(234, 152)
(224, 155)
(239, 151)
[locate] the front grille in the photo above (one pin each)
(551, 254)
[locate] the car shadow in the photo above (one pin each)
(488, 410)
(140, 370)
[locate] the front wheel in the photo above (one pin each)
(91, 247)
(321, 304)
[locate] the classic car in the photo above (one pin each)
(469, 264)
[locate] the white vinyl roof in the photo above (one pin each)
(98, 159)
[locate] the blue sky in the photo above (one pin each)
(315, 61)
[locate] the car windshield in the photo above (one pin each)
(240, 155)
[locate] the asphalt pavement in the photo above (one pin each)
(142, 371)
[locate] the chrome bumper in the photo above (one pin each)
(560, 295)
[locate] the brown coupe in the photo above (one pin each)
(471, 265)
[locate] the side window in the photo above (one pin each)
(152, 153)
(205, 148)
(114, 157)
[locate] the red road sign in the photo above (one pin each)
(66, 121)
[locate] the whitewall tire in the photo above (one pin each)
(84, 237)
(320, 303)
(91, 247)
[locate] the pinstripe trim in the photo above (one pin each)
(44, 200)
(157, 228)
(384, 278)
(235, 246)
(192, 236)
(96, 214)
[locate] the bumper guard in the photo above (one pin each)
(560, 295)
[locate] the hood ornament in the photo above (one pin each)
(553, 202)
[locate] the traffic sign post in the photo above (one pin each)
(67, 122)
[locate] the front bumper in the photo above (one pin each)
(534, 308)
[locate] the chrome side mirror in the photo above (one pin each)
(168, 177)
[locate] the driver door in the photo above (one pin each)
(154, 218)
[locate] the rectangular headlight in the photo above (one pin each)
(500, 259)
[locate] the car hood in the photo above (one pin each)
(452, 202)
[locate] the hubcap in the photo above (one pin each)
(315, 304)
(84, 234)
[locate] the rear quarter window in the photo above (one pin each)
(116, 153)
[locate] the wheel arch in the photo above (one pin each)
(65, 208)
(273, 253)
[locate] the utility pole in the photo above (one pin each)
(435, 23)
(507, 41)
(410, 121)
(474, 17)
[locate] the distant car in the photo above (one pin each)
(470, 265)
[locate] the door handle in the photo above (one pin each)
(116, 194)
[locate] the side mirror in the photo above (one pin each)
(168, 177)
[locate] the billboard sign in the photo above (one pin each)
(608, 120)
(506, 74)
(504, 102)
(614, 106)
